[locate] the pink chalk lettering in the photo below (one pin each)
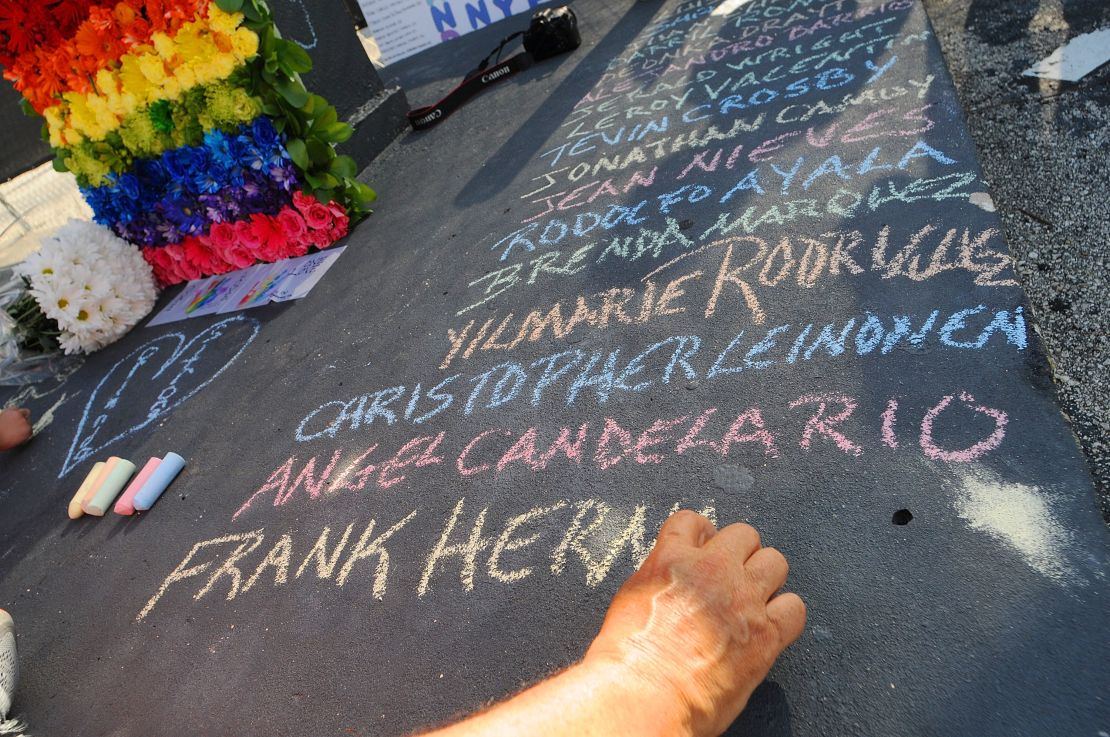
(976, 451)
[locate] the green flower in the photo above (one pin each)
(161, 116)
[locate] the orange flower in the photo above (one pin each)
(60, 45)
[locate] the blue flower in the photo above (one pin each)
(262, 131)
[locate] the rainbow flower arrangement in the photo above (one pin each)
(187, 126)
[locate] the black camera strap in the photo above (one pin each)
(475, 82)
(551, 32)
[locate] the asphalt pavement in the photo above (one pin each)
(1044, 149)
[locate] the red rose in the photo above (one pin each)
(246, 236)
(162, 265)
(239, 257)
(340, 228)
(302, 202)
(292, 225)
(317, 216)
(184, 267)
(221, 236)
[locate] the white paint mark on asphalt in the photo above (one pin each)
(729, 6)
(983, 200)
(1018, 515)
(1075, 59)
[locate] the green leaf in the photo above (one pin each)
(343, 167)
(320, 152)
(336, 132)
(293, 92)
(230, 6)
(293, 58)
(252, 13)
(25, 106)
(297, 152)
(325, 117)
(59, 164)
(364, 193)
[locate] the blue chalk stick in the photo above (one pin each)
(162, 477)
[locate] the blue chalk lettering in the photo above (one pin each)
(834, 346)
(956, 322)
(901, 329)
(479, 382)
(870, 335)
(502, 392)
(750, 181)
(921, 150)
(763, 346)
(718, 365)
(601, 382)
(788, 177)
(436, 394)
(1014, 329)
(833, 165)
(330, 430)
(552, 374)
(682, 356)
(794, 349)
(382, 398)
(918, 338)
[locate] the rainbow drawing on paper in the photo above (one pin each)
(208, 294)
(261, 292)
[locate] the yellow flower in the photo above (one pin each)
(223, 22)
(55, 121)
(153, 68)
(245, 43)
(164, 46)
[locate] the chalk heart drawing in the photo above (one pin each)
(166, 372)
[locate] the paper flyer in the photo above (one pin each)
(245, 289)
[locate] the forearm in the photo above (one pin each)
(593, 698)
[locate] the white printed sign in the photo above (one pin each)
(401, 28)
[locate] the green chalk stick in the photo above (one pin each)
(109, 489)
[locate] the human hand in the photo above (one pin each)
(15, 428)
(700, 623)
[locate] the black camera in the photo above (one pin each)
(553, 31)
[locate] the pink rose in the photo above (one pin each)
(187, 270)
(340, 228)
(317, 216)
(239, 257)
(336, 209)
(246, 236)
(292, 225)
(221, 236)
(320, 238)
(302, 202)
(162, 265)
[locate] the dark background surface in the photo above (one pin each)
(23, 147)
(931, 628)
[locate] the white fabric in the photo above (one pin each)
(9, 665)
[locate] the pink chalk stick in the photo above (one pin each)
(125, 505)
(95, 487)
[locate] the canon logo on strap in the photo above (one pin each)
(435, 114)
(495, 75)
